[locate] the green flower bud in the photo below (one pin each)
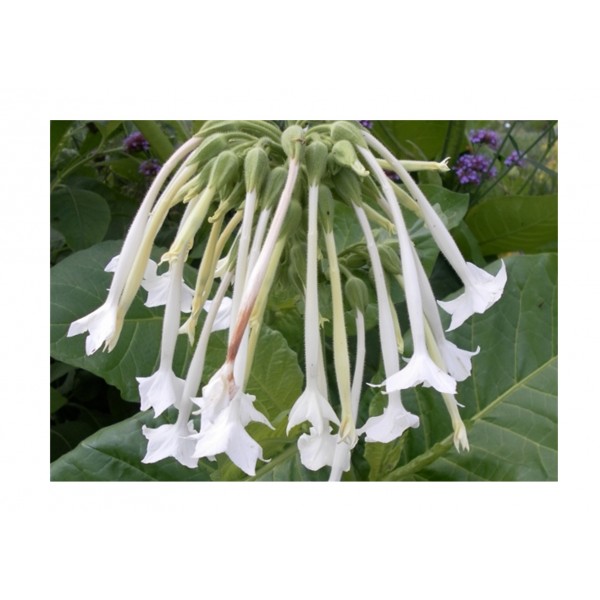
(274, 186)
(293, 218)
(326, 207)
(224, 171)
(344, 154)
(209, 148)
(297, 264)
(357, 294)
(390, 259)
(347, 186)
(256, 169)
(292, 142)
(346, 130)
(316, 161)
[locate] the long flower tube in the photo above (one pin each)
(420, 369)
(482, 290)
(101, 324)
(341, 457)
(174, 439)
(341, 358)
(395, 418)
(312, 406)
(456, 361)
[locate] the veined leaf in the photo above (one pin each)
(511, 397)
(515, 223)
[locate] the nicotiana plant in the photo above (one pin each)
(261, 193)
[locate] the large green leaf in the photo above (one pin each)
(114, 454)
(510, 399)
(413, 139)
(80, 215)
(516, 223)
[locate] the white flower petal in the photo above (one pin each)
(228, 435)
(171, 440)
(481, 291)
(420, 370)
(312, 406)
(223, 318)
(317, 450)
(457, 361)
(394, 421)
(160, 390)
(101, 325)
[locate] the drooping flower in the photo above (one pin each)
(160, 390)
(317, 448)
(421, 369)
(158, 286)
(227, 433)
(171, 440)
(100, 324)
(390, 425)
(481, 291)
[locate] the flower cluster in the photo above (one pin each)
(515, 159)
(135, 142)
(149, 167)
(487, 137)
(472, 168)
(259, 192)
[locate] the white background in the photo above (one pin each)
(269, 60)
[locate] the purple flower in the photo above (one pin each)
(484, 136)
(515, 159)
(367, 124)
(392, 175)
(150, 167)
(471, 168)
(135, 143)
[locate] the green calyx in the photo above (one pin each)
(256, 169)
(316, 161)
(224, 171)
(346, 130)
(357, 294)
(344, 154)
(292, 142)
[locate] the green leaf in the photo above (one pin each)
(57, 400)
(78, 286)
(413, 139)
(58, 130)
(115, 453)
(511, 397)
(158, 140)
(515, 223)
(80, 215)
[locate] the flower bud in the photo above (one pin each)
(346, 130)
(316, 161)
(292, 142)
(357, 294)
(292, 218)
(390, 259)
(274, 186)
(209, 148)
(326, 207)
(224, 171)
(256, 169)
(344, 154)
(347, 186)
